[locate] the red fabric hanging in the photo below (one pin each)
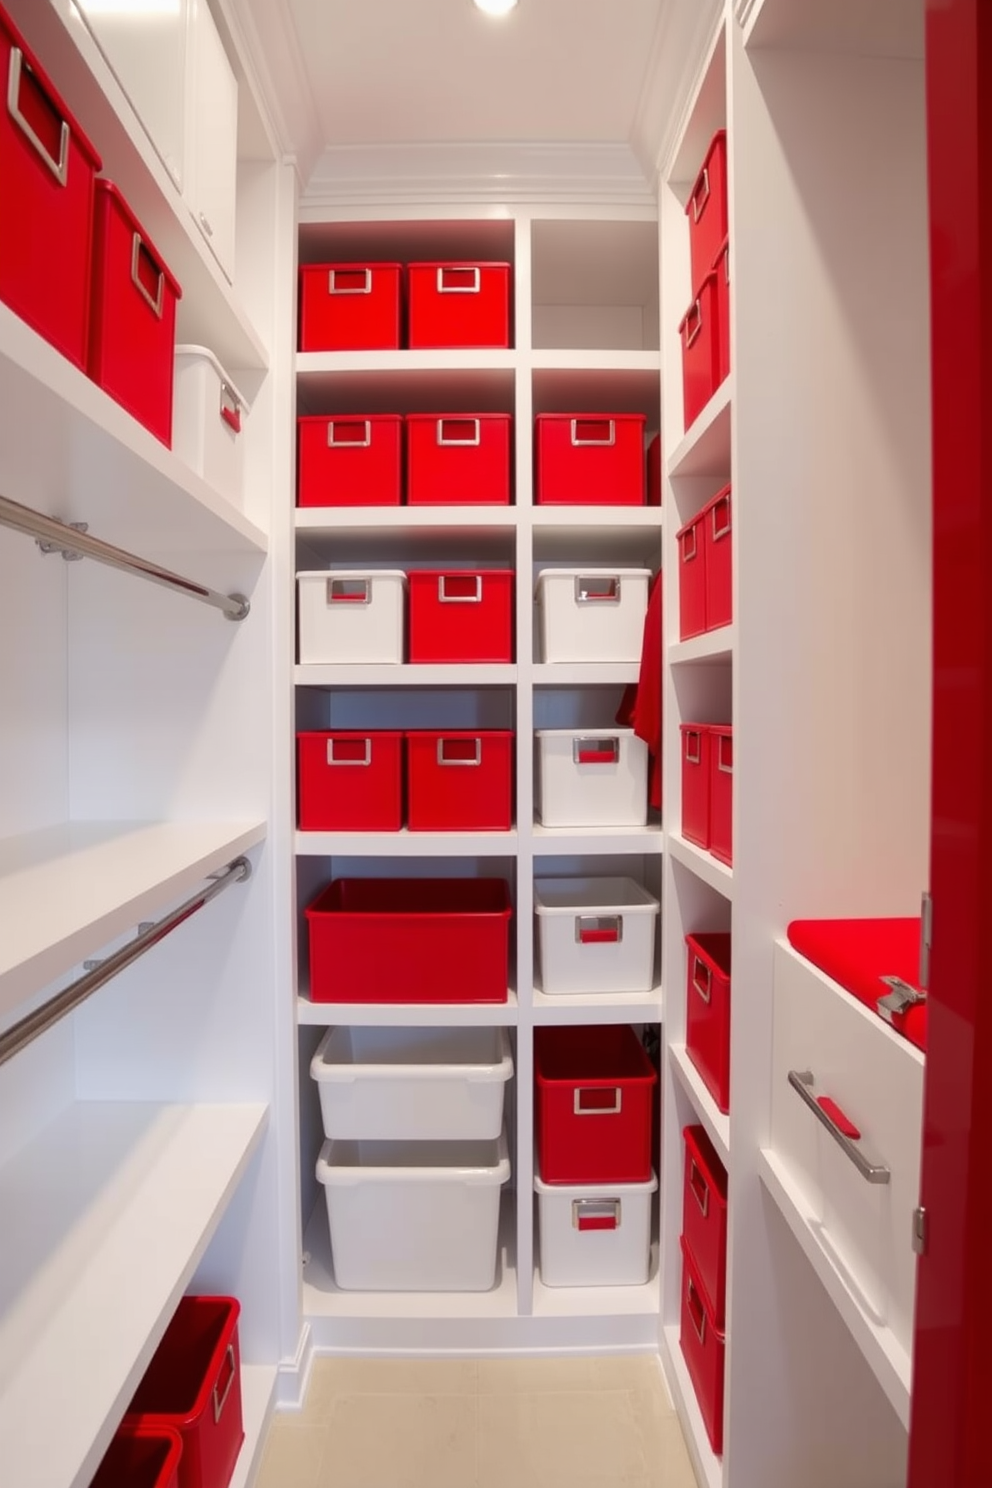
(640, 706)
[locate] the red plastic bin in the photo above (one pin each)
(194, 1385)
(350, 461)
(350, 782)
(703, 1348)
(588, 459)
(706, 208)
(141, 1457)
(350, 306)
(696, 783)
(460, 782)
(704, 1217)
(700, 333)
(400, 940)
(654, 471)
(721, 268)
(47, 170)
(692, 577)
(133, 315)
(461, 615)
(721, 793)
(718, 565)
(707, 1034)
(595, 1093)
(458, 304)
(459, 458)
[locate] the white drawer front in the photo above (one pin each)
(876, 1078)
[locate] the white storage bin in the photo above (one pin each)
(592, 614)
(352, 617)
(595, 934)
(208, 415)
(414, 1216)
(595, 1234)
(417, 1084)
(591, 778)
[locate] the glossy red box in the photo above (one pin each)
(654, 471)
(350, 306)
(721, 793)
(194, 1385)
(589, 459)
(350, 781)
(141, 1457)
(132, 342)
(461, 615)
(696, 783)
(703, 1348)
(704, 1217)
(593, 1113)
(47, 170)
(458, 304)
(458, 458)
(692, 577)
(721, 268)
(718, 566)
(707, 1024)
(459, 781)
(354, 460)
(706, 208)
(400, 940)
(700, 333)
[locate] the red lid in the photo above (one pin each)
(115, 196)
(17, 40)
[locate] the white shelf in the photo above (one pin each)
(313, 366)
(585, 673)
(705, 449)
(560, 841)
(615, 1007)
(406, 844)
(107, 1213)
(602, 518)
(581, 360)
(702, 863)
(97, 880)
(258, 1383)
(343, 675)
(71, 452)
(708, 1466)
(407, 1014)
(713, 646)
(888, 1361)
(716, 1123)
(843, 25)
(368, 520)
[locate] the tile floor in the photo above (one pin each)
(480, 1423)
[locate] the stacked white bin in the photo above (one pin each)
(352, 617)
(591, 778)
(208, 422)
(408, 1208)
(591, 614)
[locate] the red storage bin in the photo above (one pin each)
(703, 1348)
(654, 471)
(460, 782)
(704, 1217)
(350, 461)
(721, 268)
(707, 1029)
(595, 1095)
(132, 340)
(861, 954)
(721, 793)
(696, 783)
(410, 940)
(459, 304)
(350, 306)
(141, 1457)
(460, 615)
(194, 1385)
(47, 170)
(718, 565)
(706, 208)
(589, 459)
(458, 458)
(700, 332)
(692, 577)
(350, 782)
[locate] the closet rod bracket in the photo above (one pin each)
(70, 555)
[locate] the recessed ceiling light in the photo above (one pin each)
(496, 7)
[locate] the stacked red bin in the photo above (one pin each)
(705, 568)
(380, 306)
(707, 787)
(704, 1268)
(705, 327)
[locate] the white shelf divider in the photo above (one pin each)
(713, 646)
(343, 675)
(705, 448)
(329, 520)
(716, 1123)
(707, 1465)
(407, 1014)
(705, 866)
(565, 841)
(613, 1007)
(406, 844)
(585, 674)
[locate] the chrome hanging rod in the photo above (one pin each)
(75, 542)
(27, 1029)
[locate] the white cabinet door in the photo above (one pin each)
(212, 153)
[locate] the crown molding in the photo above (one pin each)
(681, 44)
(272, 52)
(387, 175)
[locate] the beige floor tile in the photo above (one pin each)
(294, 1448)
(331, 1378)
(633, 1372)
(401, 1441)
(550, 1440)
(535, 1375)
(667, 1455)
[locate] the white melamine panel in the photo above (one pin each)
(212, 145)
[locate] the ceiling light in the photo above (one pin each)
(496, 7)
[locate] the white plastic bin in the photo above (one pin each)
(595, 935)
(208, 418)
(592, 614)
(414, 1216)
(352, 617)
(595, 1234)
(591, 778)
(417, 1084)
